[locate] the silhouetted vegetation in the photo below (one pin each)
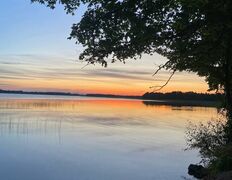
(113, 96)
(211, 140)
(39, 93)
(184, 96)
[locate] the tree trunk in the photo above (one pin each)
(228, 100)
(228, 91)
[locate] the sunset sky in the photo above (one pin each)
(35, 55)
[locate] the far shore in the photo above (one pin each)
(146, 101)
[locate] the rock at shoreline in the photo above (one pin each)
(197, 171)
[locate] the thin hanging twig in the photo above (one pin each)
(161, 87)
(160, 67)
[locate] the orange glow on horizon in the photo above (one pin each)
(101, 88)
(105, 85)
(57, 75)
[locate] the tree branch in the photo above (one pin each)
(161, 87)
(160, 67)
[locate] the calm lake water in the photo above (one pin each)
(76, 138)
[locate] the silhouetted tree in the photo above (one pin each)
(177, 95)
(194, 35)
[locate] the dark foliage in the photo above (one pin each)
(183, 96)
(194, 35)
(211, 141)
(38, 93)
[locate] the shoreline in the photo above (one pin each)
(147, 102)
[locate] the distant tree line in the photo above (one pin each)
(38, 93)
(113, 96)
(177, 95)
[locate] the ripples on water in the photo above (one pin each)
(94, 139)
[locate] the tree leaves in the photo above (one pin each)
(192, 34)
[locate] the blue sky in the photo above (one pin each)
(33, 28)
(36, 55)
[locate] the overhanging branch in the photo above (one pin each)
(165, 84)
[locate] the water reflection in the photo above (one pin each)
(94, 139)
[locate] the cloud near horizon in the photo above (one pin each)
(48, 72)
